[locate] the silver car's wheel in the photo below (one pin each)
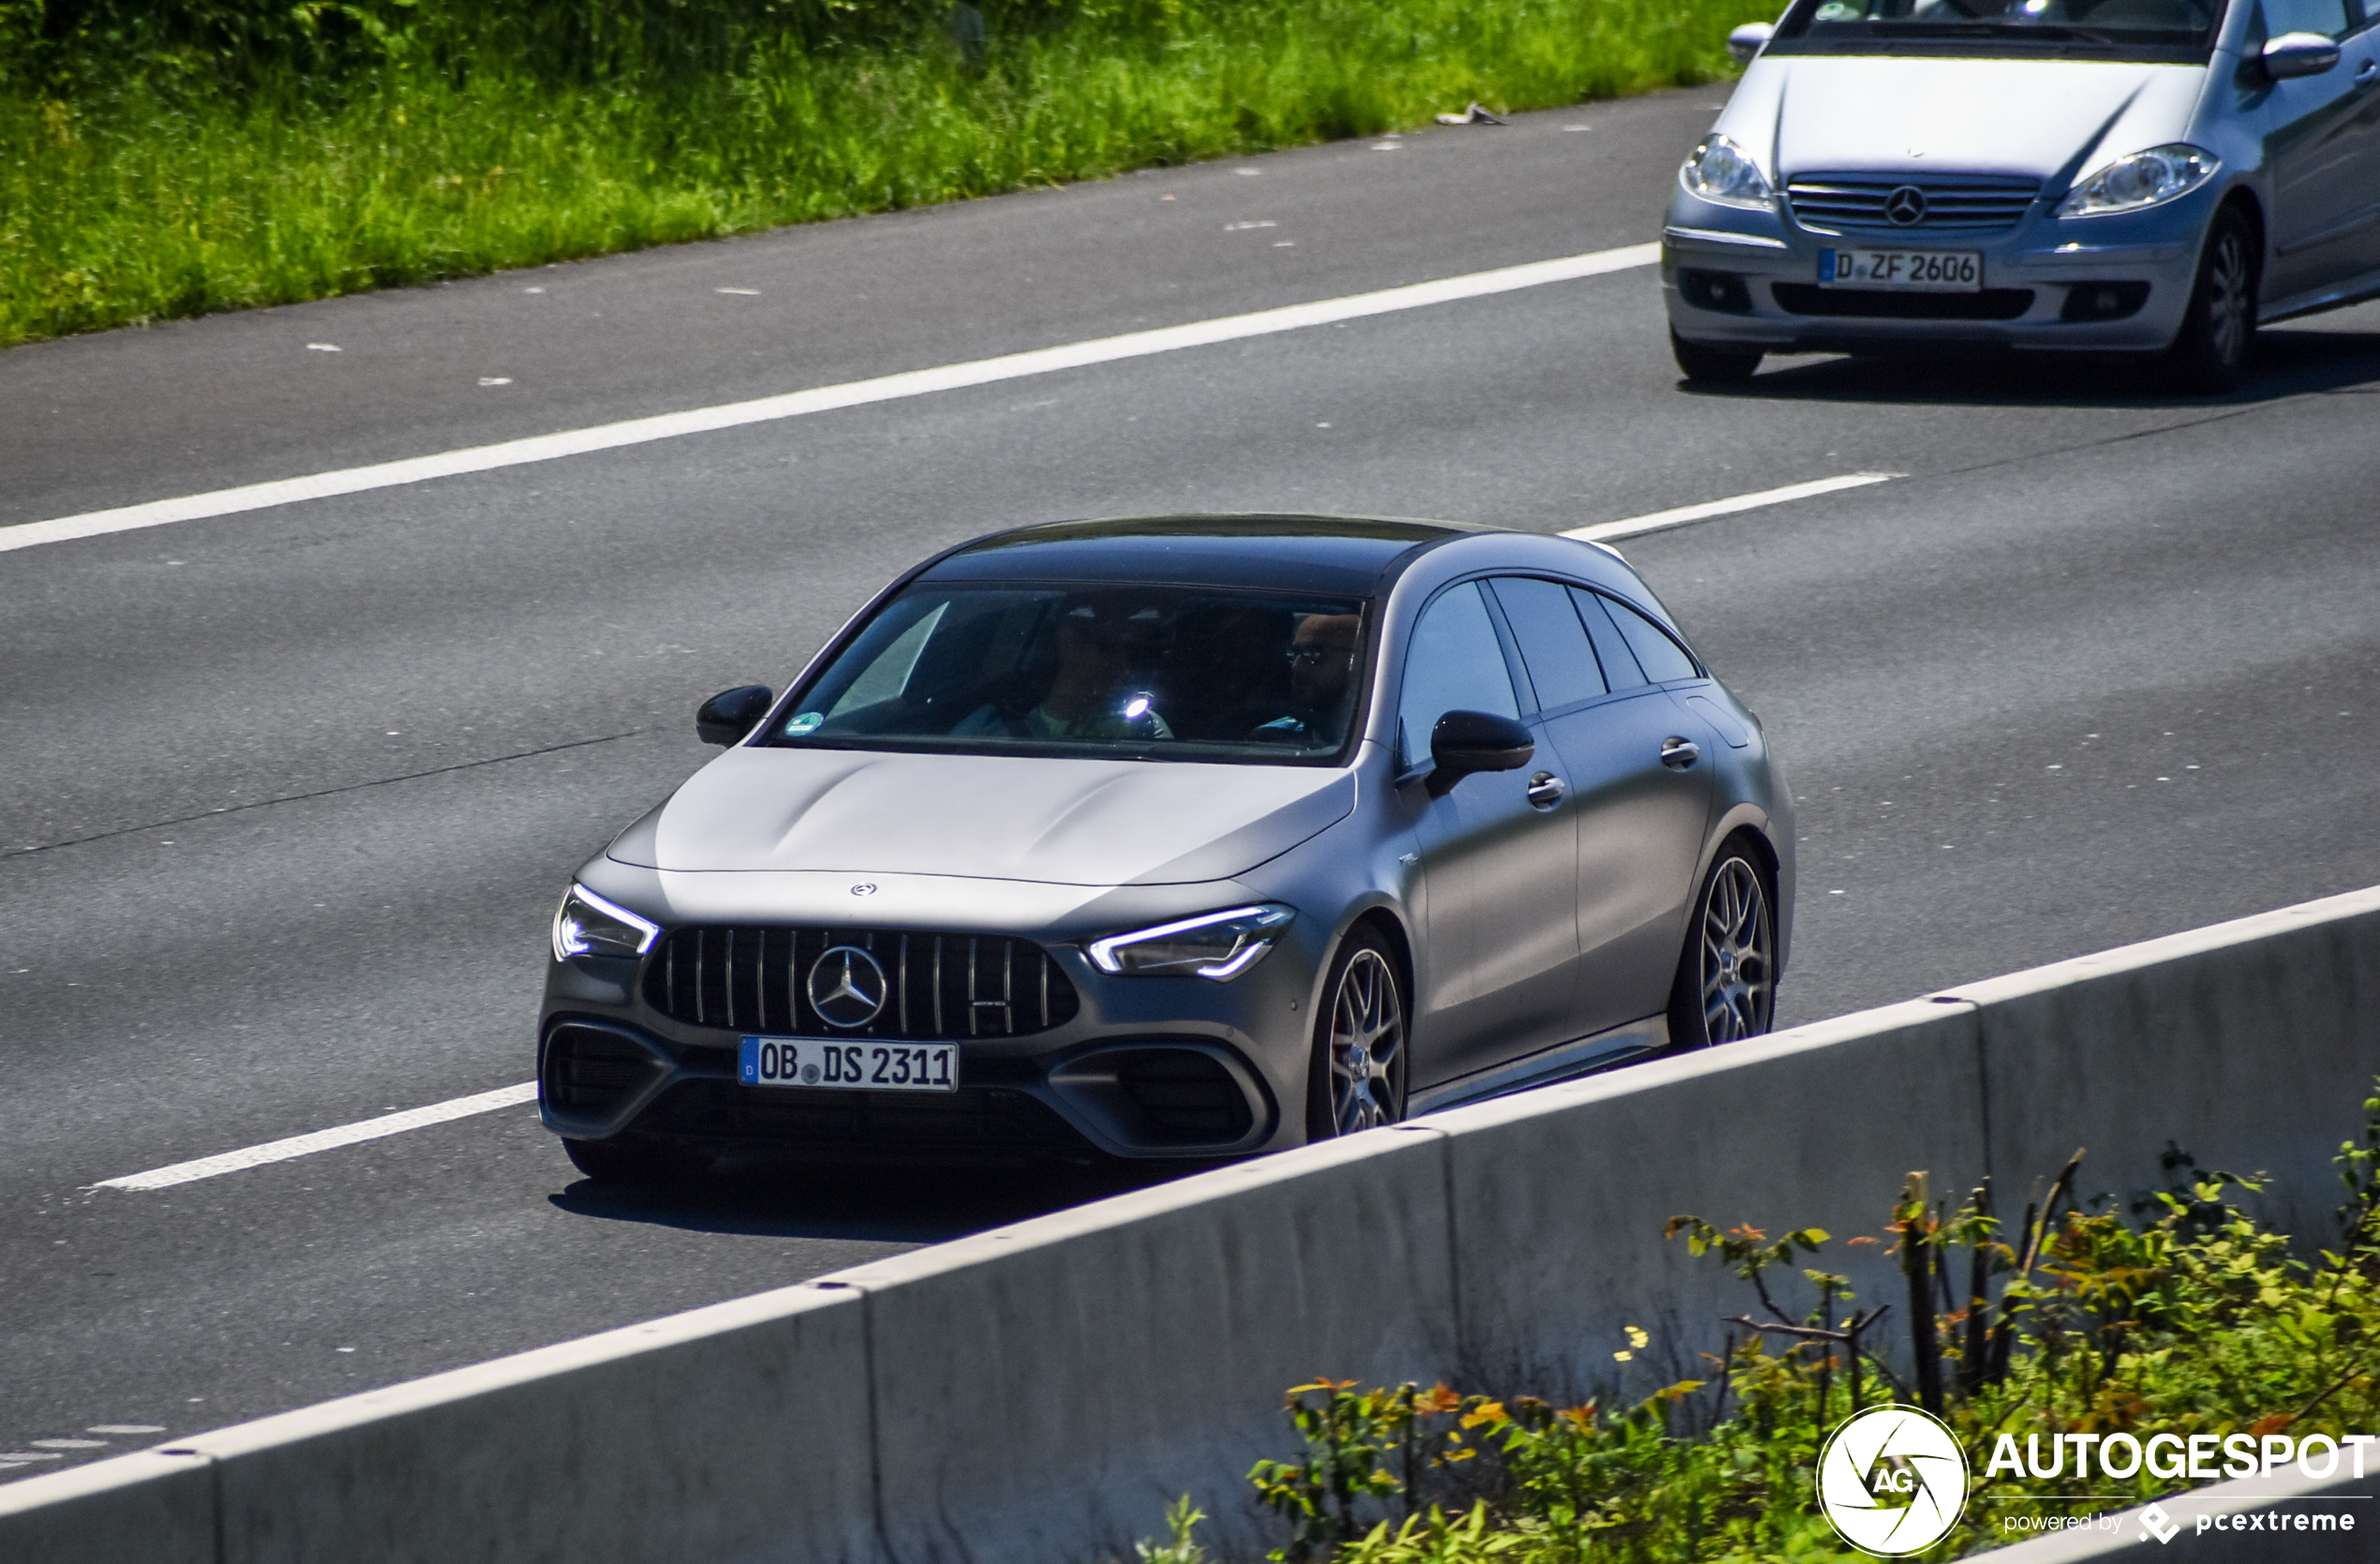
(1358, 1078)
(2211, 352)
(1726, 987)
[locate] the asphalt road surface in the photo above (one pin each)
(288, 795)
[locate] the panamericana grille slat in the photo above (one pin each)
(754, 978)
(1970, 203)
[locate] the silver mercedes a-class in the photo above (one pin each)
(2155, 176)
(1183, 838)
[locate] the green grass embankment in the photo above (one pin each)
(142, 193)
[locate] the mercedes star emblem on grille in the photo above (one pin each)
(1906, 206)
(846, 987)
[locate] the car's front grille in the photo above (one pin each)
(1989, 303)
(752, 979)
(1946, 203)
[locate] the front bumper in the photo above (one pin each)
(1143, 1067)
(1739, 278)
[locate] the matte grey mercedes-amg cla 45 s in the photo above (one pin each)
(1183, 838)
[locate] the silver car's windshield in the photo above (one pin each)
(1151, 672)
(2149, 30)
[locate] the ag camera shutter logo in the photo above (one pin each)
(1891, 1480)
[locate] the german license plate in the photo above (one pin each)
(1919, 271)
(857, 1066)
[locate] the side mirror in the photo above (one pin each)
(726, 717)
(1747, 42)
(1469, 741)
(2298, 55)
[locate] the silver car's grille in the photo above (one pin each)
(1943, 203)
(754, 978)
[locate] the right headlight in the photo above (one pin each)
(2150, 178)
(587, 925)
(1721, 171)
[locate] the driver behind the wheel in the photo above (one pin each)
(1321, 665)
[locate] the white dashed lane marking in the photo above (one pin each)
(885, 388)
(1603, 531)
(325, 1139)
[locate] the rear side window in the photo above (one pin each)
(1619, 663)
(1661, 657)
(1455, 663)
(1554, 642)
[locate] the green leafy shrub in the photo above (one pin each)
(2180, 1316)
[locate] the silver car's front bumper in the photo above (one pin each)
(1738, 278)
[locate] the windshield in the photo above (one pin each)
(2149, 30)
(1151, 673)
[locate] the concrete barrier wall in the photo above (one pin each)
(1039, 1393)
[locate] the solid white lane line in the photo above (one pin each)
(1603, 531)
(885, 388)
(325, 1139)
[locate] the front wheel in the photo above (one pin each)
(1709, 365)
(1357, 1078)
(1726, 986)
(2210, 354)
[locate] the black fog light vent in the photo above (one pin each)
(1722, 292)
(2103, 301)
(1184, 1096)
(590, 1072)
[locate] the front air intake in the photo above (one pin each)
(591, 1072)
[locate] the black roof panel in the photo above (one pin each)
(1338, 554)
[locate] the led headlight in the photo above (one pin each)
(2146, 178)
(587, 925)
(1212, 945)
(1720, 170)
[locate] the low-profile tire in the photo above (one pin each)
(1726, 984)
(1357, 1078)
(1704, 364)
(2217, 334)
(633, 1162)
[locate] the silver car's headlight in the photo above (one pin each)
(1720, 170)
(2148, 178)
(1212, 945)
(587, 925)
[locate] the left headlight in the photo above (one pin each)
(1720, 170)
(2148, 178)
(1212, 945)
(587, 925)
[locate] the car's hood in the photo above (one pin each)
(1802, 114)
(1060, 822)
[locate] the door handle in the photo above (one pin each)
(1546, 790)
(1679, 753)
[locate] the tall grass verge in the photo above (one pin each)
(151, 197)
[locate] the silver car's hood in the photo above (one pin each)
(1058, 822)
(1801, 113)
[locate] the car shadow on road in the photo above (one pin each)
(2289, 362)
(892, 1205)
